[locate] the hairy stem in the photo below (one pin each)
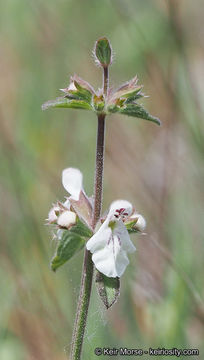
(105, 80)
(98, 187)
(87, 271)
(82, 308)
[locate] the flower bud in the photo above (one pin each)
(128, 92)
(71, 87)
(52, 215)
(135, 223)
(79, 89)
(80, 84)
(141, 223)
(103, 52)
(67, 219)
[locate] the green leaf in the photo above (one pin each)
(63, 102)
(112, 109)
(69, 243)
(138, 111)
(103, 52)
(134, 97)
(83, 95)
(81, 229)
(108, 289)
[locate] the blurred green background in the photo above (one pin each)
(160, 170)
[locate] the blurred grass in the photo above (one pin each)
(159, 169)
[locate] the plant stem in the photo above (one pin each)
(98, 187)
(105, 80)
(82, 308)
(87, 271)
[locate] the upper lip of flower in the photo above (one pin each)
(120, 209)
(72, 180)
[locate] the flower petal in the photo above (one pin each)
(111, 260)
(121, 233)
(121, 262)
(100, 239)
(72, 181)
(66, 204)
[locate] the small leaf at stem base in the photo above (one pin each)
(108, 289)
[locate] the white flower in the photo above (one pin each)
(66, 219)
(111, 243)
(72, 180)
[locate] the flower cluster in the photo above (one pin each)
(81, 95)
(110, 242)
(60, 213)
